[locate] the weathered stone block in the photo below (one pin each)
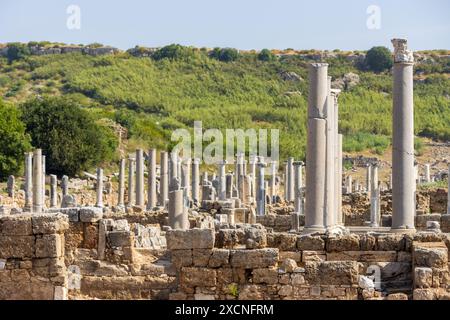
(265, 275)
(16, 225)
(16, 246)
(338, 272)
(363, 256)
(200, 257)
(257, 258)
(313, 256)
(219, 258)
(190, 239)
(423, 277)
(348, 242)
(181, 258)
(310, 243)
(367, 242)
(391, 242)
(49, 246)
(120, 238)
(49, 223)
(282, 241)
(90, 214)
(430, 254)
(424, 294)
(204, 277)
(294, 255)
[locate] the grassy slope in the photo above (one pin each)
(165, 95)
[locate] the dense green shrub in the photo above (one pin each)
(13, 140)
(378, 59)
(225, 54)
(266, 55)
(173, 52)
(67, 135)
(17, 51)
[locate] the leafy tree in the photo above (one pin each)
(67, 134)
(266, 55)
(378, 59)
(225, 54)
(173, 52)
(17, 51)
(13, 140)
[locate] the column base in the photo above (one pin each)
(313, 229)
(403, 230)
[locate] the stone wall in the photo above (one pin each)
(32, 257)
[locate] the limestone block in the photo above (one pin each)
(265, 275)
(430, 254)
(219, 258)
(397, 296)
(404, 256)
(339, 272)
(252, 292)
(296, 256)
(283, 241)
(49, 246)
(191, 277)
(391, 242)
(90, 214)
(349, 242)
(182, 258)
(257, 258)
(424, 294)
(367, 242)
(200, 257)
(190, 239)
(120, 238)
(423, 277)
(285, 290)
(422, 219)
(310, 243)
(61, 293)
(16, 246)
(49, 223)
(297, 279)
(255, 237)
(16, 225)
(363, 256)
(313, 256)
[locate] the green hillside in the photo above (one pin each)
(153, 96)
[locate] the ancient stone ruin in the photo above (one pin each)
(164, 227)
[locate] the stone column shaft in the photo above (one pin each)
(99, 202)
(196, 180)
(140, 178)
(298, 185)
(222, 190)
(151, 191)
(53, 191)
(28, 181)
(403, 184)
(121, 196)
(38, 198)
(131, 186)
(260, 191)
(340, 219)
(164, 179)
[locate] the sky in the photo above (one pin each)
(242, 24)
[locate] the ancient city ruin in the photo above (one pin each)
(161, 228)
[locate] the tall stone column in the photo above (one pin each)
(330, 166)
(316, 148)
(290, 179)
(140, 201)
(131, 186)
(38, 198)
(186, 178)
(273, 178)
(178, 218)
(448, 190)
(427, 173)
(99, 202)
(222, 190)
(228, 185)
(43, 180)
(151, 191)
(164, 179)
(252, 172)
(28, 181)
(10, 186)
(374, 197)
(340, 219)
(260, 190)
(121, 196)
(298, 185)
(368, 178)
(349, 184)
(196, 180)
(403, 202)
(65, 185)
(53, 191)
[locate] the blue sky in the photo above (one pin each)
(243, 24)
